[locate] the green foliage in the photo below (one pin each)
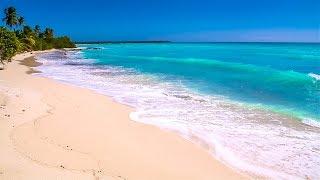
(11, 17)
(41, 44)
(46, 40)
(27, 31)
(25, 38)
(9, 44)
(48, 34)
(37, 30)
(63, 42)
(20, 20)
(27, 43)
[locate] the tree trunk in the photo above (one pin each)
(1, 65)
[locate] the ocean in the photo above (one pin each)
(254, 106)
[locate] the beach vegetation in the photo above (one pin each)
(37, 30)
(20, 21)
(62, 42)
(48, 34)
(18, 37)
(9, 44)
(11, 17)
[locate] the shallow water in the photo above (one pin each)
(249, 103)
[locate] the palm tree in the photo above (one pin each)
(27, 31)
(20, 21)
(11, 17)
(48, 33)
(37, 30)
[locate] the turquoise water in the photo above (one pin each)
(271, 75)
(255, 106)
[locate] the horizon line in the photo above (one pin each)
(168, 41)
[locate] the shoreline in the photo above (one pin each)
(50, 127)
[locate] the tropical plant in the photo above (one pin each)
(27, 31)
(63, 42)
(26, 39)
(9, 44)
(11, 17)
(27, 43)
(20, 21)
(48, 34)
(37, 30)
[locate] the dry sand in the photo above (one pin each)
(49, 130)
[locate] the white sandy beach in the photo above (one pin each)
(49, 130)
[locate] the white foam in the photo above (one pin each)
(315, 76)
(311, 122)
(249, 140)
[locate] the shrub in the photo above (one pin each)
(63, 42)
(27, 43)
(9, 44)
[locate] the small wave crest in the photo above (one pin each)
(311, 122)
(248, 139)
(315, 76)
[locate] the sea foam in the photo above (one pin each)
(251, 140)
(315, 76)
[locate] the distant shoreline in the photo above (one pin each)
(119, 42)
(160, 42)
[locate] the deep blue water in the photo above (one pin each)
(280, 76)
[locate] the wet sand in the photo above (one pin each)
(50, 130)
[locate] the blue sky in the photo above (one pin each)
(176, 20)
